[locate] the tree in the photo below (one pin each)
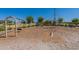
(47, 23)
(1, 21)
(75, 21)
(30, 19)
(40, 20)
(23, 21)
(60, 21)
(54, 23)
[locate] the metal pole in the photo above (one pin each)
(15, 27)
(54, 14)
(5, 28)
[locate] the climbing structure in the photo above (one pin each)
(11, 23)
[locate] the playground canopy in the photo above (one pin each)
(10, 24)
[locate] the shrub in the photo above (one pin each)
(2, 28)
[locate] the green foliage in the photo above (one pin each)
(75, 21)
(2, 22)
(60, 21)
(47, 23)
(23, 26)
(9, 28)
(40, 20)
(30, 19)
(2, 28)
(54, 23)
(9, 22)
(23, 22)
(66, 24)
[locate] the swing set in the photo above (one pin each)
(11, 24)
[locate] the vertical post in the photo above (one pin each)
(5, 28)
(55, 17)
(54, 14)
(15, 27)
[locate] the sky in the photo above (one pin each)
(67, 13)
(48, 13)
(24, 12)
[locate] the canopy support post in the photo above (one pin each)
(5, 28)
(15, 28)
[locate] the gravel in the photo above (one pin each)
(39, 39)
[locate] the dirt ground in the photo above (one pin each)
(38, 38)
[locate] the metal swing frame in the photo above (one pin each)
(6, 29)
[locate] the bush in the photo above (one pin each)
(2, 28)
(9, 28)
(23, 26)
(66, 24)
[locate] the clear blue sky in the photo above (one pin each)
(47, 13)
(67, 13)
(22, 13)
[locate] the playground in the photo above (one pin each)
(15, 37)
(38, 38)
